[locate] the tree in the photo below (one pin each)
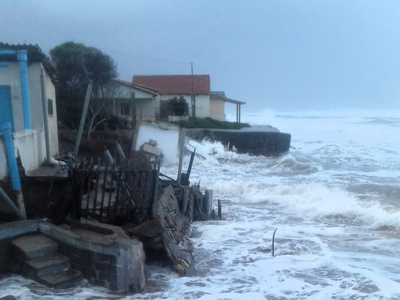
(178, 107)
(76, 65)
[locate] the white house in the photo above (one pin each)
(28, 102)
(195, 89)
(128, 101)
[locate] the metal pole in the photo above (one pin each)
(155, 195)
(83, 117)
(22, 56)
(193, 97)
(45, 118)
(12, 165)
(11, 205)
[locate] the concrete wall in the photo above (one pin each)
(166, 135)
(217, 110)
(254, 142)
(26, 146)
(202, 103)
(26, 143)
(108, 260)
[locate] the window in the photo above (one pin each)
(125, 109)
(50, 107)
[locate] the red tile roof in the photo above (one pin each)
(175, 84)
(136, 86)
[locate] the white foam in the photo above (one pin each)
(332, 242)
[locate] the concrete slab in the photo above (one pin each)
(50, 264)
(12, 229)
(34, 246)
(62, 280)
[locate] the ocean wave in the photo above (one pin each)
(289, 164)
(313, 200)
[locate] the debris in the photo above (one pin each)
(273, 243)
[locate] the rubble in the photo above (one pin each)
(127, 194)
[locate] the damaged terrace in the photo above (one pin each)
(108, 213)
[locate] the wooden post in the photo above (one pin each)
(185, 198)
(83, 118)
(219, 210)
(207, 204)
(190, 206)
(182, 134)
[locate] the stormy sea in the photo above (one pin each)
(334, 200)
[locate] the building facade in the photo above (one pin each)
(28, 103)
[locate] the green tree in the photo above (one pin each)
(178, 107)
(76, 65)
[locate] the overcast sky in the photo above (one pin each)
(279, 55)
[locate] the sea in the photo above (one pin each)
(333, 202)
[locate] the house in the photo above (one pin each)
(217, 106)
(28, 103)
(195, 89)
(128, 101)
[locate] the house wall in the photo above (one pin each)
(217, 110)
(143, 103)
(35, 94)
(30, 143)
(202, 103)
(26, 142)
(10, 76)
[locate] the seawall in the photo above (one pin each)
(253, 141)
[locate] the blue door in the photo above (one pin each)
(5, 106)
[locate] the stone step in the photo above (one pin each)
(62, 280)
(46, 265)
(34, 246)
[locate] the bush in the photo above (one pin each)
(178, 107)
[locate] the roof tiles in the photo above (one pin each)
(175, 84)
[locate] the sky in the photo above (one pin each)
(280, 55)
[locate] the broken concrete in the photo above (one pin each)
(102, 253)
(111, 261)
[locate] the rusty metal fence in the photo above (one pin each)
(109, 192)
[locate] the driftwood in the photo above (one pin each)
(169, 230)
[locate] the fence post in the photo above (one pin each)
(12, 165)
